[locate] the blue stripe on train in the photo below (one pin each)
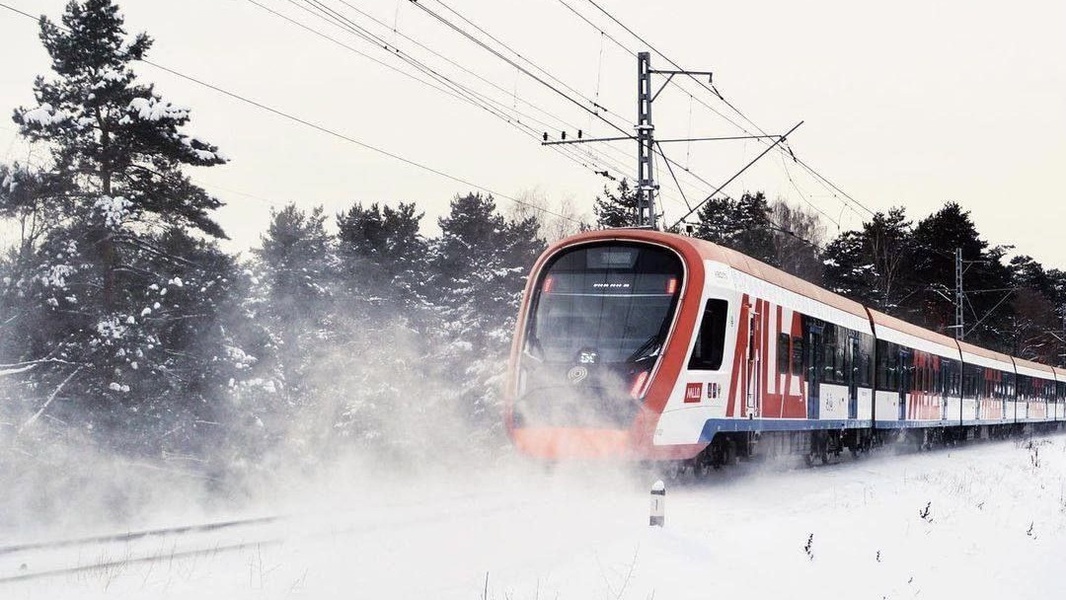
(713, 426)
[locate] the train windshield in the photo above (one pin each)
(605, 304)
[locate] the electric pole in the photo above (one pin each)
(648, 146)
(959, 297)
(646, 186)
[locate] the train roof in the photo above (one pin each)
(760, 270)
(882, 320)
(1034, 369)
(969, 348)
(736, 260)
(985, 357)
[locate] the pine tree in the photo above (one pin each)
(616, 209)
(935, 238)
(297, 267)
(479, 267)
(873, 265)
(382, 256)
(121, 306)
(743, 225)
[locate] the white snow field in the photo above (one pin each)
(984, 520)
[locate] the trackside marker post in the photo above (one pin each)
(658, 504)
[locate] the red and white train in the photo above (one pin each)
(644, 345)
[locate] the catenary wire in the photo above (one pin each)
(818, 176)
(331, 132)
(466, 94)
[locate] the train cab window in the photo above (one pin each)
(614, 302)
(783, 352)
(710, 339)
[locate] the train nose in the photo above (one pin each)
(552, 443)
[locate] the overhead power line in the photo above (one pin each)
(598, 163)
(547, 79)
(323, 129)
(513, 63)
(823, 180)
(352, 140)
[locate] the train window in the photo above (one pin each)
(840, 366)
(882, 365)
(829, 368)
(710, 340)
(613, 302)
(783, 352)
(863, 368)
(797, 355)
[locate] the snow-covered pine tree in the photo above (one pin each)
(872, 265)
(379, 373)
(479, 267)
(743, 225)
(382, 258)
(297, 266)
(618, 208)
(122, 307)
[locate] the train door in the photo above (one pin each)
(755, 355)
(903, 368)
(816, 366)
(851, 368)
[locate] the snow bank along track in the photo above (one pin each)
(776, 450)
(110, 552)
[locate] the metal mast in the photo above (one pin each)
(646, 187)
(960, 334)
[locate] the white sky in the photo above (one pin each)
(911, 103)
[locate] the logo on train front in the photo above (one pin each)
(693, 392)
(577, 374)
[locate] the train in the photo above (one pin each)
(640, 345)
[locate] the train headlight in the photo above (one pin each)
(639, 383)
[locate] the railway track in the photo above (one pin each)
(34, 560)
(112, 552)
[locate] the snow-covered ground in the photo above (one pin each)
(984, 520)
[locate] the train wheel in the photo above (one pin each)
(677, 470)
(700, 468)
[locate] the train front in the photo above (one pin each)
(593, 358)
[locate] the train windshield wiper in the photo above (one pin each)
(649, 349)
(533, 345)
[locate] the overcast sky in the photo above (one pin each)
(912, 102)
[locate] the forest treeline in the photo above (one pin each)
(123, 324)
